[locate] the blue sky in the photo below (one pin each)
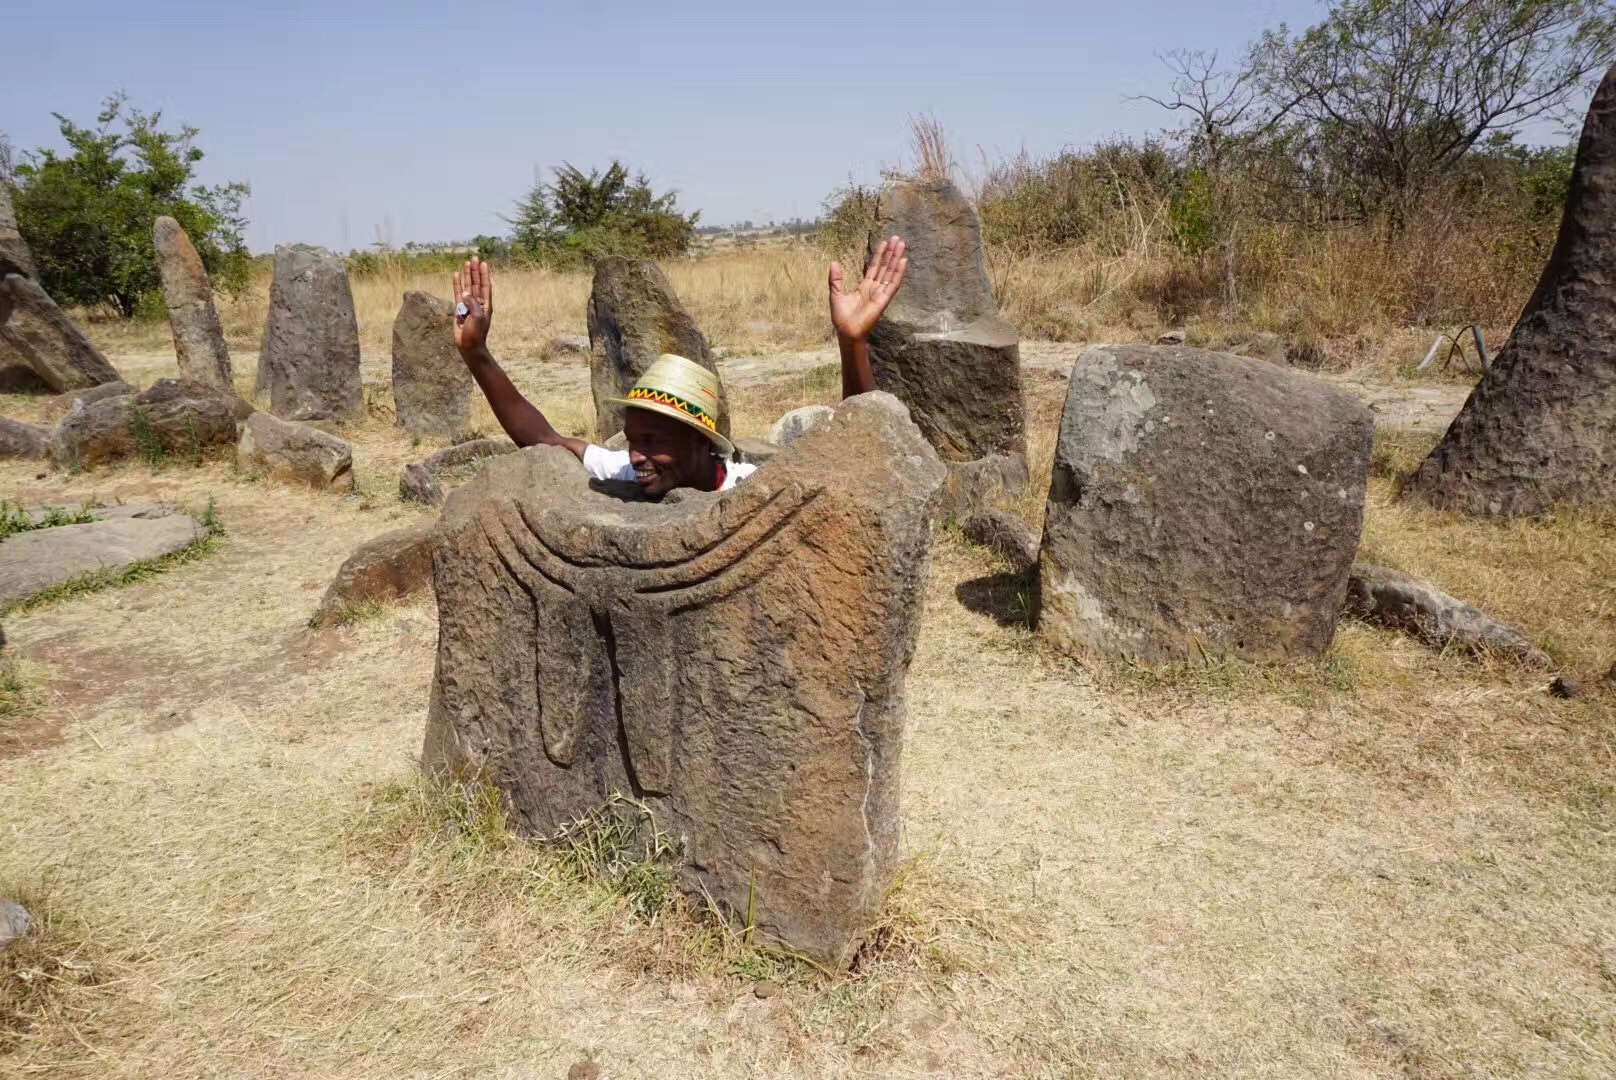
(427, 121)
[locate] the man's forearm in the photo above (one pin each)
(524, 423)
(857, 378)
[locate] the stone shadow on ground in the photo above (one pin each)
(1009, 599)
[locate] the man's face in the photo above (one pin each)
(665, 453)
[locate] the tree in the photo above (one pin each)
(1381, 101)
(582, 215)
(87, 214)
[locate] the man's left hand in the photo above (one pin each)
(855, 313)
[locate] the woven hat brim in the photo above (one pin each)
(724, 445)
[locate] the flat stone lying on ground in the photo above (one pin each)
(634, 317)
(39, 334)
(176, 417)
(1202, 505)
(198, 338)
(1396, 600)
(423, 483)
(1006, 535)
(295, 453)
(14, 918)
(40, 559)
(309, 365)
(394, 566)
(26, 441)
(431, 384)
(735, 660)
(62, 404)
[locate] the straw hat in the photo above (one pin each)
(684, 390)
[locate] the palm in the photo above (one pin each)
(473, 287)
(854, 314)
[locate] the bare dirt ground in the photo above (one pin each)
(1388, 863)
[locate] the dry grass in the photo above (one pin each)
(1388, 863)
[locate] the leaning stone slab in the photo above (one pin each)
(1539, 429)
(941, 346)
(431, 385)
(1202, 506)
(295, 453)
(182, 418)
(31, 562)
(394, 566)
(1395, 600)
(198, 337)
(15, 258)
(20, 440)
(736, 660)
(634, 317)
(39, 334)
(309, 365)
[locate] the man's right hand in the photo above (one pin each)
(473, 287)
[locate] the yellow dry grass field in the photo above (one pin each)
(1391, 862)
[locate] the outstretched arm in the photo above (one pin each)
(525, 424)
(855, 314)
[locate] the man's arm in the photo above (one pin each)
(855, 314)
(525, 424)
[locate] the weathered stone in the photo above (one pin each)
(176, 417)
(295, 453)
(1171, 337)
(472, 452)
(1565, 686)
(1006, 535)
(39, 334)
(20, 440)
(755, 451)
(62, 404)
(941, 346)
(391, 567)
(17, 377)
(309, 365)
(634, 317)
(735, 660)
(15, 258)
(33, 561)
(431, 384)
(1539, 429)
(417, 484)
(1395, 600)
(567, 345)
(799, 422)
(198, 337)
(984, 483)
(1202, 505)
(14, 919)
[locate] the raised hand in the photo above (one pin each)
(853, 314)
(474, 288)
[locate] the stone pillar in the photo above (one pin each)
(431, 384)
(198, 338)
(309, 366)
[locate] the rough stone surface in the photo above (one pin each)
(941, 346)
(1006, 535)
(799, 422)
(184, 418)
(417, 484)
(983, 483)
(62, 404)
(1565, 686)
(20, 440)
(14, 918)
(309, 365)
(568, 345)
(734, 659)
(470, 452)
(431, 384)
(393, 566)
(198, 337)
(755, 451)
(39, 334)
(1393, 599)
(33, 561)
(1539, 429)
(15, 258)
(1202, 505)
(295, 453)
(634, 317)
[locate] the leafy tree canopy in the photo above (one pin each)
(582, 215)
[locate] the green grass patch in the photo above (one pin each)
(15, 519)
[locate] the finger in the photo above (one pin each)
(897, 275)
(895, 259)
(455, 292)
(468, 282)
(870, 271)
(488, 289)
(835, 279)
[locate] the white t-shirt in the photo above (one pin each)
(604, 464)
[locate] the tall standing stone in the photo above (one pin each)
(1539, 429)
(310, 361)
(431, 385)
(198, 337)
(38, 334)
(634, 317)
(1202, 505)
(941, 346)
(735, 660)
(15, 258)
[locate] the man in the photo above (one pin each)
(671, 414)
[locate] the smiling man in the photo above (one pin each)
(671, 415)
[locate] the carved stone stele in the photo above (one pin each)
(736, 660)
